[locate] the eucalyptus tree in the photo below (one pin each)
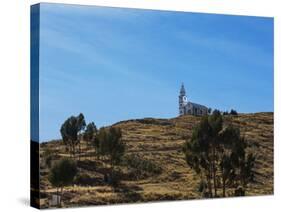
(71, 131)
(218, 154)
(109, 143)
(90, 132)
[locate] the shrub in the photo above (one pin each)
(142, 165)
(48, 161)
(62, 173)
(233, 112)
(225, 113)
(240, 191)
(111, 144)
(83, 179)
(115, 178)
(202, 186)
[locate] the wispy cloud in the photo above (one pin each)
(231, 48)
(85, 52)
(115, 63)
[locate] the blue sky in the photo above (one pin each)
(114, 64)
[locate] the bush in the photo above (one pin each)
(240, 191)
(202, 186)
(111, 144)
(115, 178)
(48, 161)
(83, 179)
(48, 156)
(142, 165)
(233, 112)
(161, 122)
(62, 174)
(225, 113)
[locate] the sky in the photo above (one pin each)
(114, 64)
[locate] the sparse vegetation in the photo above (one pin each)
(62, 174)
(153, 166)
(142, 165)
(233, 112)
(48, 157)
(218, 154)
(83, 179)
(111, 144)
(202, 150)
(225, 113)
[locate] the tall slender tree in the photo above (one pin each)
(71, 130)
(219, 155)
(110, 144)
(198, 152)
(215, 122)
(90, 132)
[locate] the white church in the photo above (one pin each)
(190, 108)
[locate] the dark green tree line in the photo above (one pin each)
(218, 155)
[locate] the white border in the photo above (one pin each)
(14, 104)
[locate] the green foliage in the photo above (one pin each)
(115, 178)
(201, 152)
(90, 132)
(48, 157)
(227, 171)
(238, 165)
(109, 143)
(233, 112)
(160, 122)
(197, 149)
(83, 179)
(219, 154)
(225, 113)
(70, 131)
(62, 173)
(240, 191)
(48, 161)
(247, 171)
(202, 186)
(140, 164)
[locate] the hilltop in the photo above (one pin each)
(160, 142)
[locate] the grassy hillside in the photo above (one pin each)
(158, 144)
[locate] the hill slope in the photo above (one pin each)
(160, 141)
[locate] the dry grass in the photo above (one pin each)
(160, 141)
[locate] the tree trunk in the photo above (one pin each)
(214, 181)
(210, 184)
(73, 150)
(79, 151)
(61, 195)
(223, 186)
(58, 196)
(209, 178)
(214, 171)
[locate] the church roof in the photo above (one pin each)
(197, 105)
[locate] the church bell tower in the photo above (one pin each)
(182, 100)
